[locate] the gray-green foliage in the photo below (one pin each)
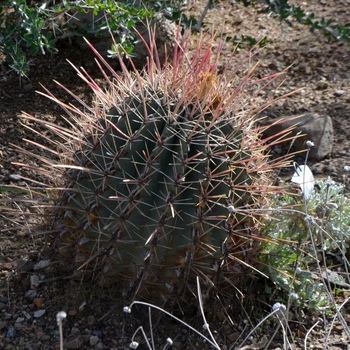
(299, 232)
(29, 29)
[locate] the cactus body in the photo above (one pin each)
(165, 179)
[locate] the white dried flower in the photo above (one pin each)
(60, 316)
(329, 182)
(310, 219)
(279, 307)
(169, 341)
(309, 144)
(134, 345)
(126, 309)
(347, 168)
(294, 296)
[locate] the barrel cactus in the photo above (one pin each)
(165, 176)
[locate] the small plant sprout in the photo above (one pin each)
(59, 317)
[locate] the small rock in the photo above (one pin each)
(91, 320)
(3, 299)
(39, 302)
(99, 346)
(322, 85)
(30, 294)
(34, 281)
(72, 312)
(313, 127)
(39, 313)
(98, 333)
(26, 315)
(177, 345)
(3, 324)
(19, 320)
(317, 168)
(94, 339)
(42, 264)
(74, 330)
(28, 87)
(13, 177)
(338, 93)
(11, 333)
(2, 305)
(75, 342)
(273, 66)
(233, 336)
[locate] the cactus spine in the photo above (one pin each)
(164, 176)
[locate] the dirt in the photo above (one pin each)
(94, 318)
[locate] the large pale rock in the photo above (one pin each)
(311, 126)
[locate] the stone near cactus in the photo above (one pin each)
(314, 127)
(165, 177)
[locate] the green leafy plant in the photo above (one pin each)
(29, 29)
(284, 10)
(302, 234)
(21, 33)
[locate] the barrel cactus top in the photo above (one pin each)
(165, 176)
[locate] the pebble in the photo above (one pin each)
(8, 315)
(14, 177)
(39, 302)
(338, 93)
(75, 343)
(94, 339)
(34, 281)
(11, 332)
(98, 333)
(30, 294)
(3, 299)
(19, 320)
(72, 312)
(39, 313)
(322, 85)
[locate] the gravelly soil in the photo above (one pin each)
(89, 325)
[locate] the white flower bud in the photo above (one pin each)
(126, 309)
(309, 144)
(134, 345)
(60, 316)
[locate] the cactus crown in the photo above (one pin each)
(164, 174)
